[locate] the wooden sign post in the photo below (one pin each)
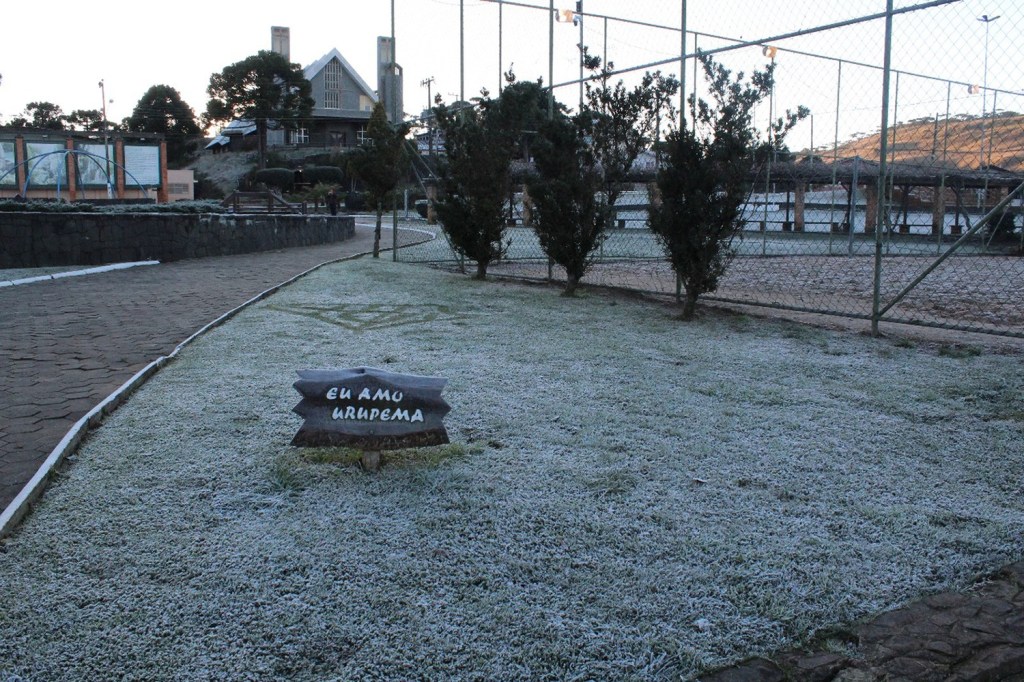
(370, 409)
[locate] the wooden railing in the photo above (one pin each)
(261, 202)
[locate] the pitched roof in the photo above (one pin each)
(316, 67)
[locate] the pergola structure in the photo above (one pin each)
(943, 186)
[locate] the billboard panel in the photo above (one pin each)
(90, 162)
(7, 161)
(142, 165)
(46, 166)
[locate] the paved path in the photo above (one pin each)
(67, 344)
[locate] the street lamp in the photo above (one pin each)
(986, 19)
(106, 143)
(430, 117)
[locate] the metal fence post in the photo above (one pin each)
(394, 228)
(883, 170)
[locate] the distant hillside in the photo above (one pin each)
(958, 142)
(223, 170)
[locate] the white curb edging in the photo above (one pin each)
(76, 273)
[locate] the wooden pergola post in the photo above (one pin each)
(870, 216)
(798, 206)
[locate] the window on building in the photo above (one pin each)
(332, 85)
(300, 136)
(361, 136)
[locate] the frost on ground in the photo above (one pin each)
(626, 496)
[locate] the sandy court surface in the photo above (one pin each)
(984, 293)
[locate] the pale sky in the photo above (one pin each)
(59, 50)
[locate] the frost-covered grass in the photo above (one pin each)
(626, 496)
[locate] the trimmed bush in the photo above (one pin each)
(190, 207)
(274, 160)
(327, 175)
(1004, 226)
(278, 178)
(355, 201)
(181, 207)
(9, 205)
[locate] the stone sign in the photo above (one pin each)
(370, 409)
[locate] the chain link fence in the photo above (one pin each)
(901, 199)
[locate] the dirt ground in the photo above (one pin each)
(975, 301)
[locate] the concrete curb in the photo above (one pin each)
(76, 273)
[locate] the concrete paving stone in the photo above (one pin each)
(946, 600)
(17, 427)
(944, 650)
(988, 629)
(817, 667)
(995, 608)
(753, 670)
(970, 608)
(59, 413)
(908, 668)
(49, 399)
(901, 618)
(23, 373)
(25, 469)
(85, 398)
(25, 462)
(20, 411)
(995, 664)
(941, 619)
(857, 675)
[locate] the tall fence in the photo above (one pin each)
(902, 201)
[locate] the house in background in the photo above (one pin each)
(343, 102)
(181, 185)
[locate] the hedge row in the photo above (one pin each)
(189, 207)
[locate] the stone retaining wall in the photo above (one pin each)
(29, 240)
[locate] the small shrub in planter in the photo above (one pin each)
(282, 179)
(355, 201)
(206, 188)
(1005, 226)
